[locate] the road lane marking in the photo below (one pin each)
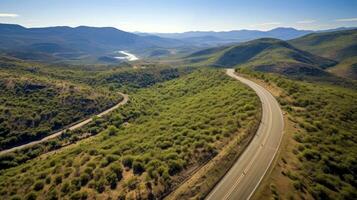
(268, 130)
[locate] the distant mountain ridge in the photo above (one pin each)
(84, 44)
(265, 54)
(235, 36)
(64, 42)
(339, 45)
(242, 34)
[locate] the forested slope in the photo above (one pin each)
(147, 146)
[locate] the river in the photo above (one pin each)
(128, 56)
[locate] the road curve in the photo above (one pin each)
(246, 174)
(73, 127)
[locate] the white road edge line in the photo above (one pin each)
(276, 151)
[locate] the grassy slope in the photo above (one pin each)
(265, 54)
(340, 46)
(104, 79)
(346, 68)
(322, 158)
(42, 98)
(167, 130)
(33, 105)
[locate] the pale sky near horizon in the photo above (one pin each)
(181, 15)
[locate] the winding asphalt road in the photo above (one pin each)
(75, 126)
(246, 174)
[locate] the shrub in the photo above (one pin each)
(16, 197)
(138, 167)
(175, 166)
(79, 195)
(31, 196)
(100, 186)
(109, 159)
(320, 192)
(52, 195)
(98, 173)
(112, 130)
(93, 152)
(132, 183)
(48, 180)
(38, 185)
(127, 161)
(117, 169)
(67, 172)
(112, 179)
(84, 178)
(121, 196)
(58, 179)
(76, 184)
(65, 188)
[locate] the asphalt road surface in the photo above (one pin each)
(75, 126)
(246, 174)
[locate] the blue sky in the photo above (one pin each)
(181, 15)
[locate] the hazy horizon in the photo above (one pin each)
(247, 29)
(181, 16)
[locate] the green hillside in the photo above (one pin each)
(32, 106)
(38, 99)
(147, 146)
(321, 158)
(270, 55)
(340, 46)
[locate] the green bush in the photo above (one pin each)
(31, 196)
(58, 179)
(52, 195)
(79, 196)
(16, 197)
(65, 188)
(84, 178)
(127, 161)
(138, 167)
(100, 186)
(118, 170)
(132, 183)
(169, 127)
(112, 130)
(175, 166)
(38, 185)
(112, 179)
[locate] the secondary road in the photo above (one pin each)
(246, 174)
(75, 126)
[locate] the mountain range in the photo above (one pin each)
(79, 43)
(316, 54)
(98, 45)
(307, 53)
(210, 38)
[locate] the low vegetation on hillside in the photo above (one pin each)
(339, 45)
(34, 106)
(268, 55)
(38, 99)
(146, 147)
(326, 150)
